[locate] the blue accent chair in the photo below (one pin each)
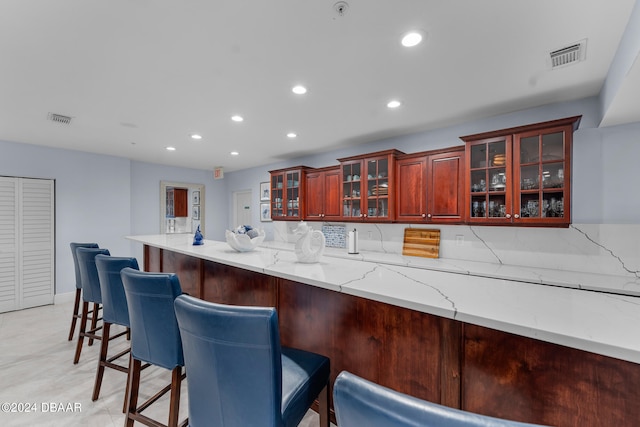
(155, 339)
(358, 403)
(114, 312)
(76, 305)
(239, 375)
(90, 294)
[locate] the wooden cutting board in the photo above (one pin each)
(424, 242)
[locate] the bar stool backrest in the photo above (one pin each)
(74, 246)
(89, 273)
(155, 337)
(359, 402)
(114, 300)
(246, 371)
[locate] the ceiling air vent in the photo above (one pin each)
(568, 55)
(59, 118)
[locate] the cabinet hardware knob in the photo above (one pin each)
(429, 216)
(508, 215)
(424, 215)
(516, 216)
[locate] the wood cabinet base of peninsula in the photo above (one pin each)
(433, 358)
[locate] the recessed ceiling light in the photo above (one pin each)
(291, 135)
(237, 118)
(411, 39)
(394, 104)
(299, 90)
(196, 136)
(234, 153)
(171, 148)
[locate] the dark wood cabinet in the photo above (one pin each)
(368, 184)
(177, 199)
(322, 193)
(515, 176)
(521, 176)
(429, 186)
(287, 193)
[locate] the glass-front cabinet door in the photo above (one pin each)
(352, 190)
(377, 188)
(490, 180)
(277, 194)
(293, 179)
(541, 175)
(287, 193)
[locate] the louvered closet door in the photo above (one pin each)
(36, 230)
(9, 272)
(26, 243)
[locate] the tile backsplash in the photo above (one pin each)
(335, 235)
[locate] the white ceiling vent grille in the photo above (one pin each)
(59, 118)
(568, 55)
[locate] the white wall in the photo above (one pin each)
(93, 200)
(145, 199)
(102, 199)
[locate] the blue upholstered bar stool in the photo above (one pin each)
(76, 305)
(239, 375)
(90, 294)
(360, 403)
(155, 339)
(114, 312)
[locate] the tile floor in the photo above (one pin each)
(36, 369)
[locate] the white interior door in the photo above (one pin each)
(242, 208)
(37, 242)
(9, 271)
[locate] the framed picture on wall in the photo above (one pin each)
(196, 212)
(265, 212)
(196, 198)
(265, 192)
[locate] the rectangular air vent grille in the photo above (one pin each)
(59, 118)
(568, 55)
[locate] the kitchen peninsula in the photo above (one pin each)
(506, 348)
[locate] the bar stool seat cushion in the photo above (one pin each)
(303, 374)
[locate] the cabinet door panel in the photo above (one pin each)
(315, 191)
(332, 194)
(412, 179)
(446, 195)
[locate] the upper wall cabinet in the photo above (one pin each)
(287, 193)
(521, 176)
(368, 186)
(429, 186)
(177, 202)
(322, 194)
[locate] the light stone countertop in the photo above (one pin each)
(599, 322)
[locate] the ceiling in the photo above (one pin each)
(137, 76)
